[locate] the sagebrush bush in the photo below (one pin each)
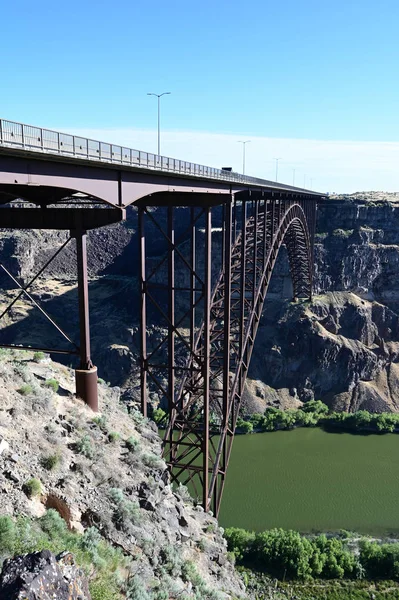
(38, 356)
(133, 444)
(51, 462)
(183, 492)
(152, 461)
(171, 560)
(52, 384)
(84, 446)
(7, 534)
(126, 512)
(101, 422)
(136, 590)
(32, 487)
(25, 389)
(114, 436)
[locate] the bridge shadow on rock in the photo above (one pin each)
(113, 323)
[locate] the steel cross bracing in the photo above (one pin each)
(197, 360)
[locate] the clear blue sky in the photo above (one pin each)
(316, 69)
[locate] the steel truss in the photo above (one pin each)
(198, 360)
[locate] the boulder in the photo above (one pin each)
(43, 576)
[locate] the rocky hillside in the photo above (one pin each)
(104, 475)
(342, 349)
(346, 357)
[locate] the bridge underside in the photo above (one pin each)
(205, 293)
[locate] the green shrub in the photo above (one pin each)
(101, 421)
(152, 461)
(137, 590)
(106, 566)
(133, 444)
(32, 487)
(85, 447)
(126, 512)
(158, 415)
(7, 534)
(51, 462)
(245, 426)
(287, 554)
(184, 493)
(170, 560)
(25, 389)
(53, 524)
(189, 573)
(113, 436)
(239, 541)
(52, 384)
(38, 356)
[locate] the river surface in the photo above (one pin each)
(310, 480)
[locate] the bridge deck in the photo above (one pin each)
(37, 142)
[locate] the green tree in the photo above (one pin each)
(315, 406)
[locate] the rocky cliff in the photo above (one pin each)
(342, 348)
(102, 476)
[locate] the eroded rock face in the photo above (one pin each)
(42, 576)
(340, 349)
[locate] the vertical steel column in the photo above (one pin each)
(143, 313)
(264, 236)
(234, 219)
(273, 225)
(255, 251)
(206, 361)
(86, 375)
(226, 349)
(171, 318)
(192, 279)
(243, 293)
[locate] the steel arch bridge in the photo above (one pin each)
(222, 232)
(211, 314)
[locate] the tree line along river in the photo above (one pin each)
(310, 480)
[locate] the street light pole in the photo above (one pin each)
(277, 159)
(243, 153)
(159, 96)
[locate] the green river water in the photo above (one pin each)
(310, 480)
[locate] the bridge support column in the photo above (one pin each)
(86, 375)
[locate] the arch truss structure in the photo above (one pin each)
(205, 291)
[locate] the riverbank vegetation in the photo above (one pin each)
(287, 555)
(316, 414)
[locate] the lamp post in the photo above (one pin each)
(277, 159)
(159, 96)
(243, 153)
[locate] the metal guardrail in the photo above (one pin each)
(37, 139)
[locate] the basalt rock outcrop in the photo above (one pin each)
(341, 349)
(101, 472)
(43, 576)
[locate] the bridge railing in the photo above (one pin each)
(37, 139)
